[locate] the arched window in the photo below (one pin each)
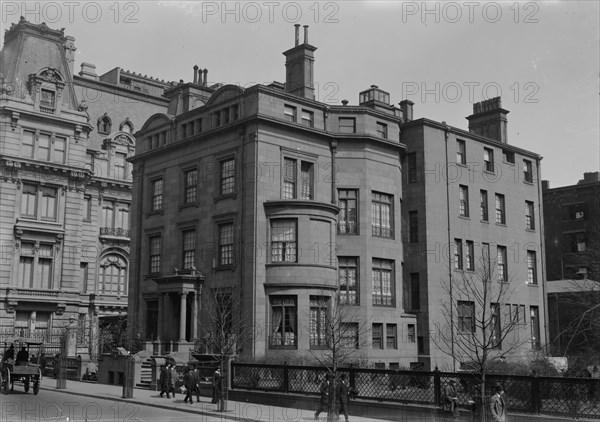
(113, 275)
(126, 126)
(104, 124)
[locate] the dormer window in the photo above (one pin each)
(126, 126)
(104, 124)
(47, 100)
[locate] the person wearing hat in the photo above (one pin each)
(451, 397)
(188, 383)
(498, 404)
(164, 381)
(216, 385)
(9, 353)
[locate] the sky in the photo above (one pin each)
(542, 58)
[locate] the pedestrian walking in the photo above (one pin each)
(324, 399)
(174, 378)
(216, 386)
(343, 389)
(188, 383)
(164, 381)
(196, 382)
(498, 404)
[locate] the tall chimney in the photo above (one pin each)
(489, 120)
(299, 64)
(297, 34)
(407, 109)
(196, 74)
(205, 71)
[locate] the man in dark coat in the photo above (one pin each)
(196, 382)
(188, 383)
(174, 379)
(9, 353)
(324, 388)
(22, 356)
(343, 388)
(216, 384)
(164, 381)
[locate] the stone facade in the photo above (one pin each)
(65, 186)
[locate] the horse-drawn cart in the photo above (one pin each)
(21, 369)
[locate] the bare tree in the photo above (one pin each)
(476, 327)
(336, 337)
(223, 331)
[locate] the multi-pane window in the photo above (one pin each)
(157, 195)
(496, 333)
(412, 167)
(458, 254)
(500, 210)
(113, 275)
(43, 150)
(518, 314)
(382, 130)
(383, 282)
(188, 249)
(289, 178)
(502, 264)
(319, 316)
(488, 159)
(508, 156)
(483, 204)
(377, 336)
(575, 242)
(283, 240)
(466, 316)
(87, 208)
(155, 254)
(49, 196)
(382, 212)
(463, 197)
(574, 212)
(348, 215)
(410, 333)
(461, 153)
(527, 171)
(531, 267)
(470, 255)
(29, 200)
(27, 144)
(120, 166)
(349, 335)
(47, 100)
(190, 186)
(283, 322)
(307, 118)
(534, 319)
(413, 226)
(59, 149)
(348, 280)
(529, 215)
(36, 265)
(347, 124)
(391, 336)
(289, 113)
(227, 176)
(226, 244)
(306, 180)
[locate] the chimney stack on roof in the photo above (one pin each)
(196, 74)
(489, 120)
(299, 66)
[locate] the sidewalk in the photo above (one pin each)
(236, 411)
(254, 412)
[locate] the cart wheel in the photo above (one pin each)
(5, 382)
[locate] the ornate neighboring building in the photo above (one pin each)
(65, 185)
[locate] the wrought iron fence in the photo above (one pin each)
(569, 397)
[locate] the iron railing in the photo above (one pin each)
(567, 397)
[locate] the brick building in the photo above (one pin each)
(65, 186)
(280, 197)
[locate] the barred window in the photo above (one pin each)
(283, 240)
(383, 282)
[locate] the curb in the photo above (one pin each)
(221, 415)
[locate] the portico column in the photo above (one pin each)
(182, 310)
(195, 317)
(161, 312)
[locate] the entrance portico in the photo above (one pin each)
(179, 298)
